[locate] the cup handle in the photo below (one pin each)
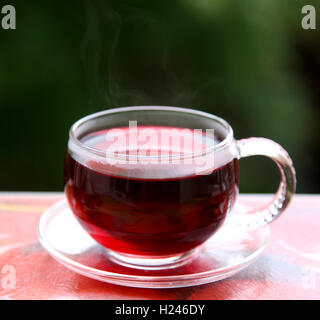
(265, 147)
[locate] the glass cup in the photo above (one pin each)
(153, 183)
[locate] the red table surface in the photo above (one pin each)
(289, 268)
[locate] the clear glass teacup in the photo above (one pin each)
(153, 183)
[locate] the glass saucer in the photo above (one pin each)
(228, 251)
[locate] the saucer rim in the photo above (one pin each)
(108, 276)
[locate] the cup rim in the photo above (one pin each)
(221, 145)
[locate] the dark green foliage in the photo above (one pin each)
(247, 61)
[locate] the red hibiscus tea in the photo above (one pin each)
(149, 210)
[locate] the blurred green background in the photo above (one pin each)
(247, 61)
